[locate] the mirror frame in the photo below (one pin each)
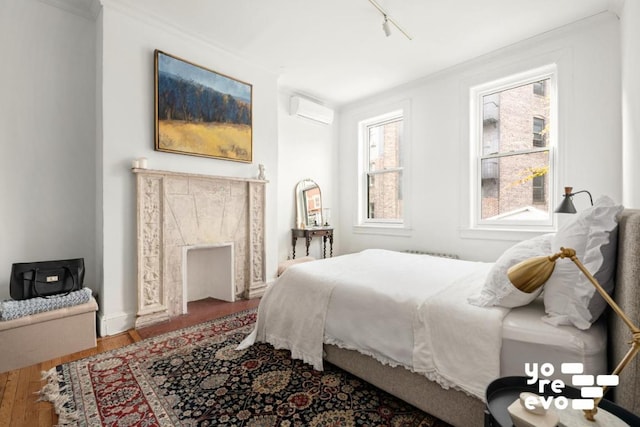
(303, 216)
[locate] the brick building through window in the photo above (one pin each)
(514, 162)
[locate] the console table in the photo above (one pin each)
(310, 233)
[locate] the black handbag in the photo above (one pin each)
(46, 278)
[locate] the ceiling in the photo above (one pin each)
(336, 51)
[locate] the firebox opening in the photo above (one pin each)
(208, 272)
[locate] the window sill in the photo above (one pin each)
(384, 230)
(507, 234)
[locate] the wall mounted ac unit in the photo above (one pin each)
(310, 110)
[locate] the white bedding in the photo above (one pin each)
(527, 337)
(401, 309)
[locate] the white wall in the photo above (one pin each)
(47, 122)
(629, 35)
(306, 150)
(590, 137)
(126, 125)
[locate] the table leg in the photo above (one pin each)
(324, 246)
(293, 244)
(331, 245)
(308, 242)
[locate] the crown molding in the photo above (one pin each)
(155, 20)
(615, 6)
(88, 9)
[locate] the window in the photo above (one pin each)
(540, 87)
(512, 136)
(537, 184)
(538, 131)
(382, 170)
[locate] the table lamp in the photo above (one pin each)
(567, 205)
(532, 273)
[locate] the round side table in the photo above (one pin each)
(502, 392)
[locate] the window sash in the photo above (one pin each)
(381, 124)
(398, 172)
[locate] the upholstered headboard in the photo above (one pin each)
(627, 295)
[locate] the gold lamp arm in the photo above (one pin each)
(635, 342)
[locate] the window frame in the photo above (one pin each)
(476, 94)
(381, 225)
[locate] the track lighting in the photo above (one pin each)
(385, 27)
(387, 19)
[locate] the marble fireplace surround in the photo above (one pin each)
(178, 210)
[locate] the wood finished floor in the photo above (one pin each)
(18, 389)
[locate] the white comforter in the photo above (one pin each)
(402, 309)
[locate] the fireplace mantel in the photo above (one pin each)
(175, 210)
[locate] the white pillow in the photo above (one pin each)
(497, 289)
(569, 297)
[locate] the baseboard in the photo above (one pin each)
(115, 323)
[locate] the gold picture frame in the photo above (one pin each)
(200, 112)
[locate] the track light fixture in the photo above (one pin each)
(385, 26)
(387, 19)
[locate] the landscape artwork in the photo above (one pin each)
(200, 112)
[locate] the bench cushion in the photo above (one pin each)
(44, 336)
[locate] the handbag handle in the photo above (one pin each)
(35, 289)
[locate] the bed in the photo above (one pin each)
(432, 383)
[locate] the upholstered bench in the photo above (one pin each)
(40, 337)
(288, 263)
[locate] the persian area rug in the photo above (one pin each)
(196, 377)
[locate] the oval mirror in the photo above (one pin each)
(308, 204)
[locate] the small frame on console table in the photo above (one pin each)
(310, 233)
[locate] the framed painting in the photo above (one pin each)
(200, 112)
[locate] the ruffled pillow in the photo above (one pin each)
(497, 289)
(569, 297)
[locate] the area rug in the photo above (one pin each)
(196, 377)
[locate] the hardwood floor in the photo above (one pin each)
(19, 406)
